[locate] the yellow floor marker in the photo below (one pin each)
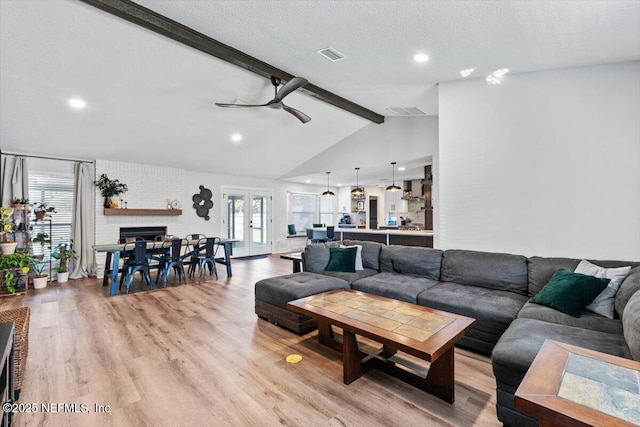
(293, 358)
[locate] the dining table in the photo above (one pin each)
(115, 250)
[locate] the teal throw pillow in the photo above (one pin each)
(570, 292)
(342, 259)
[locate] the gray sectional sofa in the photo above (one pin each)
(492, 288)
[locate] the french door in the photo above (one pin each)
(247, 218)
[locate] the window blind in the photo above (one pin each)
(55, 190)
(305, 209)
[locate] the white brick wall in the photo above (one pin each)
(149, 188)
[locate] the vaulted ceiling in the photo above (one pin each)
(150, 99)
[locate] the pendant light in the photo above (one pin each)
(328, 192)
(393, 187)
(357, 192)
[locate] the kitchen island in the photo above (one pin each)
(390, 237)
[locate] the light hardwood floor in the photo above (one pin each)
(197, 355)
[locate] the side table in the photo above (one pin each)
(573, 386)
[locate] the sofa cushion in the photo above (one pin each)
(631, 325)
(627, 289)
(493, 310)
(586, 319)
(342, 259)
(316, 256)
(403, 287)
(496, 271)
(603, 304)
(520, 344)
(358, 255)
(351, 277)
(570, 292)
(411, 260)
(370, 252)
(280, 290)
(541, 269)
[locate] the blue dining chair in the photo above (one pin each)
(207, 255)
(137, 262)
(171, 259)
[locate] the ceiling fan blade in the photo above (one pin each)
(299, 114)
(293, 84)
(239, 105)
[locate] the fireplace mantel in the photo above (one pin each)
(151, 212)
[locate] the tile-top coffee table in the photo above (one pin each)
(572, 386)
(399, 326)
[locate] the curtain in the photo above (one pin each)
(15, 179)
(82, 224)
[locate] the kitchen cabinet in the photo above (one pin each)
(344, 199)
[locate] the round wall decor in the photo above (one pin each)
(202, 202)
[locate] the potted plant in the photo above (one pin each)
(10, 265)
(41, 209)
(109, 188)
(6, 226)
(42, 238)
(40, 278)
(19, 203)
(64, 253)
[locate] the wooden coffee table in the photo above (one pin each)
(572, 386)
(399, 326)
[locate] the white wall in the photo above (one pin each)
(546, 164)
(151, 186)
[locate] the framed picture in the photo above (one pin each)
(360, 205)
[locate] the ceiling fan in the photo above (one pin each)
(276, 103)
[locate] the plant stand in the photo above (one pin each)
(45, 219)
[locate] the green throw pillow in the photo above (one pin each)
(570, 292)
(342, 259)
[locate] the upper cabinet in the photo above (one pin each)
(344, 199)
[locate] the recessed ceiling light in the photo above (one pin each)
(236, 137)
(495, 78)
(77, 103)
(401, 168)
(339, 185)
(308, 181)
(467, 72)
(421, 58)
(331, 54)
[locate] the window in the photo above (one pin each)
(55, 190)
(305, 209)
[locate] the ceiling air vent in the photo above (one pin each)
(331, 54)
(406, 111)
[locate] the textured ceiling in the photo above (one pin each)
(150, 99)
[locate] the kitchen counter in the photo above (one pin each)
(389, 237)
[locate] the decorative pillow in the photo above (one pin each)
(603, 304)
(342, 259)
(570, 292)
(358, 256)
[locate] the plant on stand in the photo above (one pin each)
(64, 253)
(19, 203)
(40, 278)
(10, 265)
(41, 209)
(6, 226)
(110, 188)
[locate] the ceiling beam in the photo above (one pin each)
(160, 24)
